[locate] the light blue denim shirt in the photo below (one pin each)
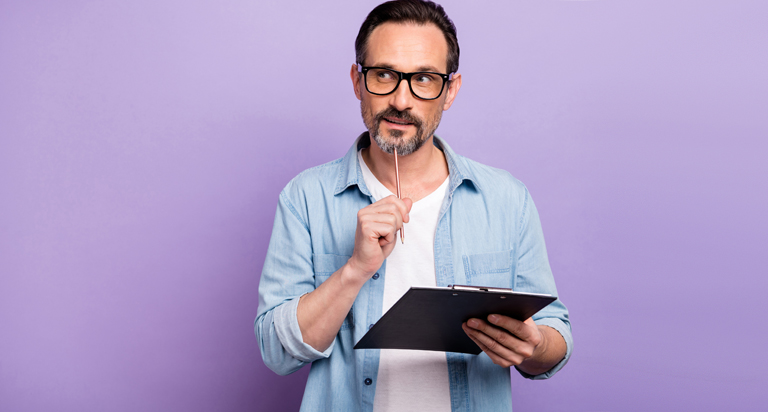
(488, 234)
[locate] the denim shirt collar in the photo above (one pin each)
(351, 174)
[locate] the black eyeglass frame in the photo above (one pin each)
(403, 76)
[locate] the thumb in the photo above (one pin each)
(408, 204)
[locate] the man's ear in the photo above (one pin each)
(452, 91)
(355, 76)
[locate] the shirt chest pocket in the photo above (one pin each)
(326, 265)
(489, 269)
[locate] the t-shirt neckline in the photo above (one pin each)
(379, 191)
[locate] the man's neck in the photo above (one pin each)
(421, 172)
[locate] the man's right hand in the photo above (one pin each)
(321, 312)
(377, 226)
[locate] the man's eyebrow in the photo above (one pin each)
(383, 66)
(418, 69)
(428, 69)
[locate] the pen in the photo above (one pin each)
(397, 179)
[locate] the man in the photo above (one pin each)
(334, 266)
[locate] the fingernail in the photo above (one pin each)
(493, 318)
(473, 323)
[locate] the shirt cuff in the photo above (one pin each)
(289, 333)
(565, 332)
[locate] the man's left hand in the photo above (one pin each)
(507, 341)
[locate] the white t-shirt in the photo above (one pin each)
(410, 380)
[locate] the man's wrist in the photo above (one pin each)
(546, 354)
(352, 275)
(541, 348)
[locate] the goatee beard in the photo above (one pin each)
(404, 146)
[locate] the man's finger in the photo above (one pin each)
(387, 212)
(503, 338)
(384, 218)
(403, 205)
(385, 205)
(408, 204)
(391, 207)
(486, 328)
(498, 354)
(378, 230)
(520, 329)
(499, 342)
(387, 238)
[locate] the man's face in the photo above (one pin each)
(401, 119)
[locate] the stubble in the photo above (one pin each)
(405, 146)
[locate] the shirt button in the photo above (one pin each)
(368, 381)
(375, 275)
(370, 326)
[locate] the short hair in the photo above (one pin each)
(409, 11)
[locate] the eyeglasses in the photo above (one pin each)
(424, 85)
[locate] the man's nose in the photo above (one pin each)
(402, 98)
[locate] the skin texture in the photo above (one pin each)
(410, 48)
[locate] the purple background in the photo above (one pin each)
(143, 145)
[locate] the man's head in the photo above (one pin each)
(405, 36)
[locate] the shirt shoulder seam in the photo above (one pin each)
(293, 210)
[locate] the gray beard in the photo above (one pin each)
(424, 131)
(404, 147)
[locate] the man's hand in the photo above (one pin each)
(375, 237)
(321, 312)
(510, 342)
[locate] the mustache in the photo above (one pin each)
(404, 115)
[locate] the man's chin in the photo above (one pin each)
(399, 142)
(386, 143)
(405, 144)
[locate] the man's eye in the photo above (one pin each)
(424, 78)
(385, 75)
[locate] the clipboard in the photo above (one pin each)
(430, 318)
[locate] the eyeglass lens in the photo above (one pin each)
(423, 85)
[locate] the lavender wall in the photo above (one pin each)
(143, 145)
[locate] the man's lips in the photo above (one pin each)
(399, 122)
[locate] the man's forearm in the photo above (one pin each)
(550, 351)
(321, 312)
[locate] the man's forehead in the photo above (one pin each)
(407, 47)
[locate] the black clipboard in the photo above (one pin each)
(430, 318)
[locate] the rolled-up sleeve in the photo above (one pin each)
(563, 329)
(287, 275)
(533, 274)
